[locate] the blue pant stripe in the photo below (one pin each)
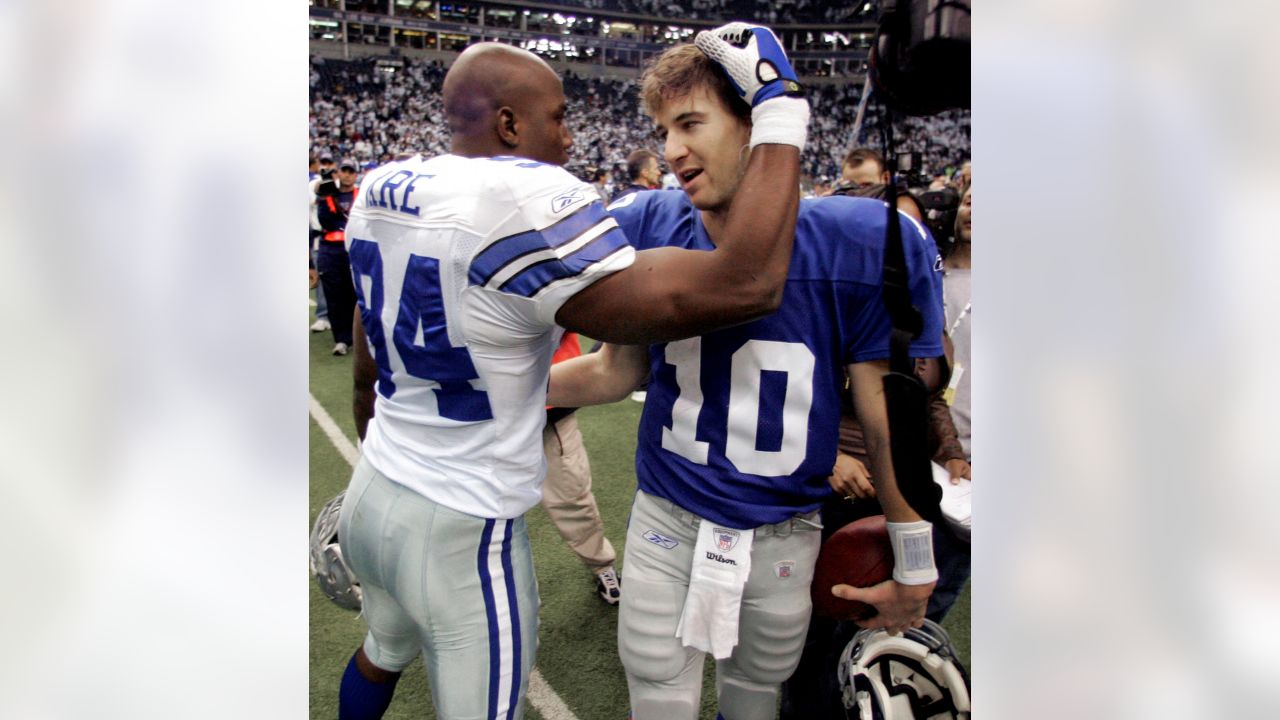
(513, 608)
(491, 612)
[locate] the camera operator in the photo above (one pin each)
(334, 197)
(863, 174)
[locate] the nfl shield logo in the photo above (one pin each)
(783, 569)
(725, 539)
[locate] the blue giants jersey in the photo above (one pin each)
(740, 425)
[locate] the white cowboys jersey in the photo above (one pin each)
(460, 265)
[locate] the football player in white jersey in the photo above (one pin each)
(739, 429)
(467, 266)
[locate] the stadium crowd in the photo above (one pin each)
(765, 11)
(360, 111)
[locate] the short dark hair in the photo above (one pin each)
(637, 160)
(857, 156)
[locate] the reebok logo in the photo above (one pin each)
(660, 540)
(564, 200)
(720, 558)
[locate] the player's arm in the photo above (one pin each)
(598, 378)
(668, 293)
(901, 602)
(365, 374)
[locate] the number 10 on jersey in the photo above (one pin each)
(742, 416)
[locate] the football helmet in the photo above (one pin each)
(336, 579)
(913, 676)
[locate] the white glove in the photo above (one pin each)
(763, 77)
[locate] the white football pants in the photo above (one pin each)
(457, 588)
(663, 676)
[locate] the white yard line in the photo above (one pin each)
(543, 698)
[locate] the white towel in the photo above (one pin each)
(721, 564)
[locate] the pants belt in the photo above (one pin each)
(803, 522)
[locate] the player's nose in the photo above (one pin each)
(672, 150)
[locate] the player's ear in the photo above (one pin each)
(507, 126)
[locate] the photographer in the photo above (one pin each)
(863, 174)
(334, 197)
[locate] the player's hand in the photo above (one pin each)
(959, 469)
(898, 606)
(754, 60)
(850, 478)
(315, 278)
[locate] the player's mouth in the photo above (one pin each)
(687, 176)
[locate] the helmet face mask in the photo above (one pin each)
(337, 581)
(914, 676)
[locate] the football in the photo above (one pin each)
(858, 554)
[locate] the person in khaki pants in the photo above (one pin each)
(566, 493)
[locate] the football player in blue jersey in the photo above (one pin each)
(467, 267)
(738, 434)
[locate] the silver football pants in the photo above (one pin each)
(663, 676)
(457, 588)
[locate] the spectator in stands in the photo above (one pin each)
(963, 177)
(599, 177)
(333, 201)
(644, 171)
(822, 186)
(400, 112)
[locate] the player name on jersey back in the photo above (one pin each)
(460, 266)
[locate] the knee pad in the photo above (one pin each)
(393, 656)
(769, 645)
(647, 623)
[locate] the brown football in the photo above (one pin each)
(858, 554)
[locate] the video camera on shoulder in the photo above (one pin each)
(328, 185)
(940, 208)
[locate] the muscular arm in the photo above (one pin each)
(898, 606)
(365, 374)
(598, 378)
(670, 293)
(867, 384)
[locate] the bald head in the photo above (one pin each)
(499, 100)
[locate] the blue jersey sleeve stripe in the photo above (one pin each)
(571, 227)
(537, 276)
(502, 252)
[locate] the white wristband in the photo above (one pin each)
(912, 552)
(780, 120)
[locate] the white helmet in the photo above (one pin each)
(913, 676)
(336, 579)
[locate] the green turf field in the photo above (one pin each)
(576, 653)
